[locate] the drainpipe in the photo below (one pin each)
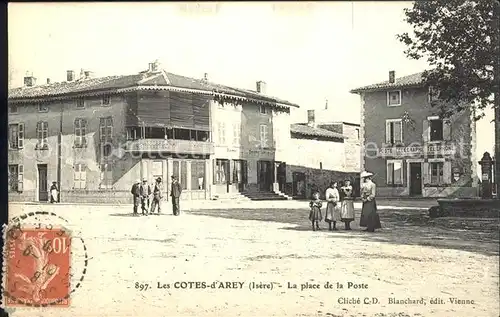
(59, 151)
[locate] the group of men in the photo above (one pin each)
(142, 196)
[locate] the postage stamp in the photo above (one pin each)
(37, 266)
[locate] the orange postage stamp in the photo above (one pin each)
(37, 267)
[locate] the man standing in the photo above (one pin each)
(175, 193)
(157, 196)
(145, 191)
(136, 193)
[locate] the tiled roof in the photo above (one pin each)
(406, 81)
(129, 81)
(304, 129)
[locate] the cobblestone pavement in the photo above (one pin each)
(271, 243)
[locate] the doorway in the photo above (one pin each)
(299, 185)
(265, 175)
(43, 193)
(282, 176)
(415, 179)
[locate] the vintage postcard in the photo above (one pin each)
(253, 159)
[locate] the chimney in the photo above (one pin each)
(153, 67)
(29, 81)
(48, 81)
(392, 77)
(261, 87)
(88, 74)
(310, 118)
(70, 75)
(205, 77)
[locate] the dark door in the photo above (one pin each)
(265, 175)
(282, 176)
(43, 193)
(415, 179)
(228, 175)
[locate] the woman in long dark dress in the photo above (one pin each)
(369, 216)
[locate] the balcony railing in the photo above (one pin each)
(174, 146)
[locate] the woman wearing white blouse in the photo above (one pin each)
(333, 206)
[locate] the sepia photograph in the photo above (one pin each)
(323, 159)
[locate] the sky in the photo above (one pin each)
(306, 52)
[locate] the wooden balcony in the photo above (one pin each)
(173, 146)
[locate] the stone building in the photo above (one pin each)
(96, 136)
(321, 153)
(411, 150)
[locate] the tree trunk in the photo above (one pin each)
(497, 143)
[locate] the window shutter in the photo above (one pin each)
(390, 169)
(447, 172)
(398, 131)
(20, 178)
(387, 132)
(20, 136)
(425, 130)
(426, 176)
(214, 176)
(447, 130)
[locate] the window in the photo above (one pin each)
(433, 94)
(263, 135)
(80, 176)
(43, 107)
(394, 172)
(106, 134)
(106, 100)
(16, 178)
(13, 108)
(202, 136)
(237, 171)
(42, 133)
(394, 98)
(437, 175)
(393, 131)
(80, 132)
(221, 132)
(263, 109)
(183, 178)
(106, 176)
(180, 170)
(221, 167)
(16, 136)
(197, 175)
(436, 130)
(80, 102)
(236, 133)
(132, 133)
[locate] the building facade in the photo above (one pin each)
(95, 137)
(412, 151)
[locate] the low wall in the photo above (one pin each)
(481, 208)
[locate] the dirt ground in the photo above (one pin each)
(271, 245)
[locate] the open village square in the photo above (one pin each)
(295, 159)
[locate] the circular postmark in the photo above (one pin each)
(44, 261)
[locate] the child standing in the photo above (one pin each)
(315, 213)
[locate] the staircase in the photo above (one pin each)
(232, 197)
(265, 195)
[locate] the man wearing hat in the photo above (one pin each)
(136, 194)
(157, 196)
(145, 191)
(369, 216)
(175, 193)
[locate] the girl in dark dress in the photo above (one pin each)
(315, 213)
